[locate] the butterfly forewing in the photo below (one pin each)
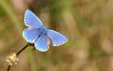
(57, 38)
(32, 20)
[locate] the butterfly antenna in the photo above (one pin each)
(44, 19)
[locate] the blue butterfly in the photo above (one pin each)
(39, 35)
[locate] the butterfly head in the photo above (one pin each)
(46, 27)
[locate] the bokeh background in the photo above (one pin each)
(88, 25)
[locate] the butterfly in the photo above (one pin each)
(38, 35)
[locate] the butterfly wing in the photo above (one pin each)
(32, 20)
(30, 34)
(57, 38)
(43, 42)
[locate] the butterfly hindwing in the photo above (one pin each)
(30, 34)
(57, 38)
(42, 43)
(32, 20)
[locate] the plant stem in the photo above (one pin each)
(22, 49)
(19, 53)
(8, 67)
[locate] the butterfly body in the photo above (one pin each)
(39, 35)
(42, 32)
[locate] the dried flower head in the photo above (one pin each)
(12, 59)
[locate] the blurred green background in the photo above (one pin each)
(88, 25)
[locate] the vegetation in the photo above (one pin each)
(86, 23)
